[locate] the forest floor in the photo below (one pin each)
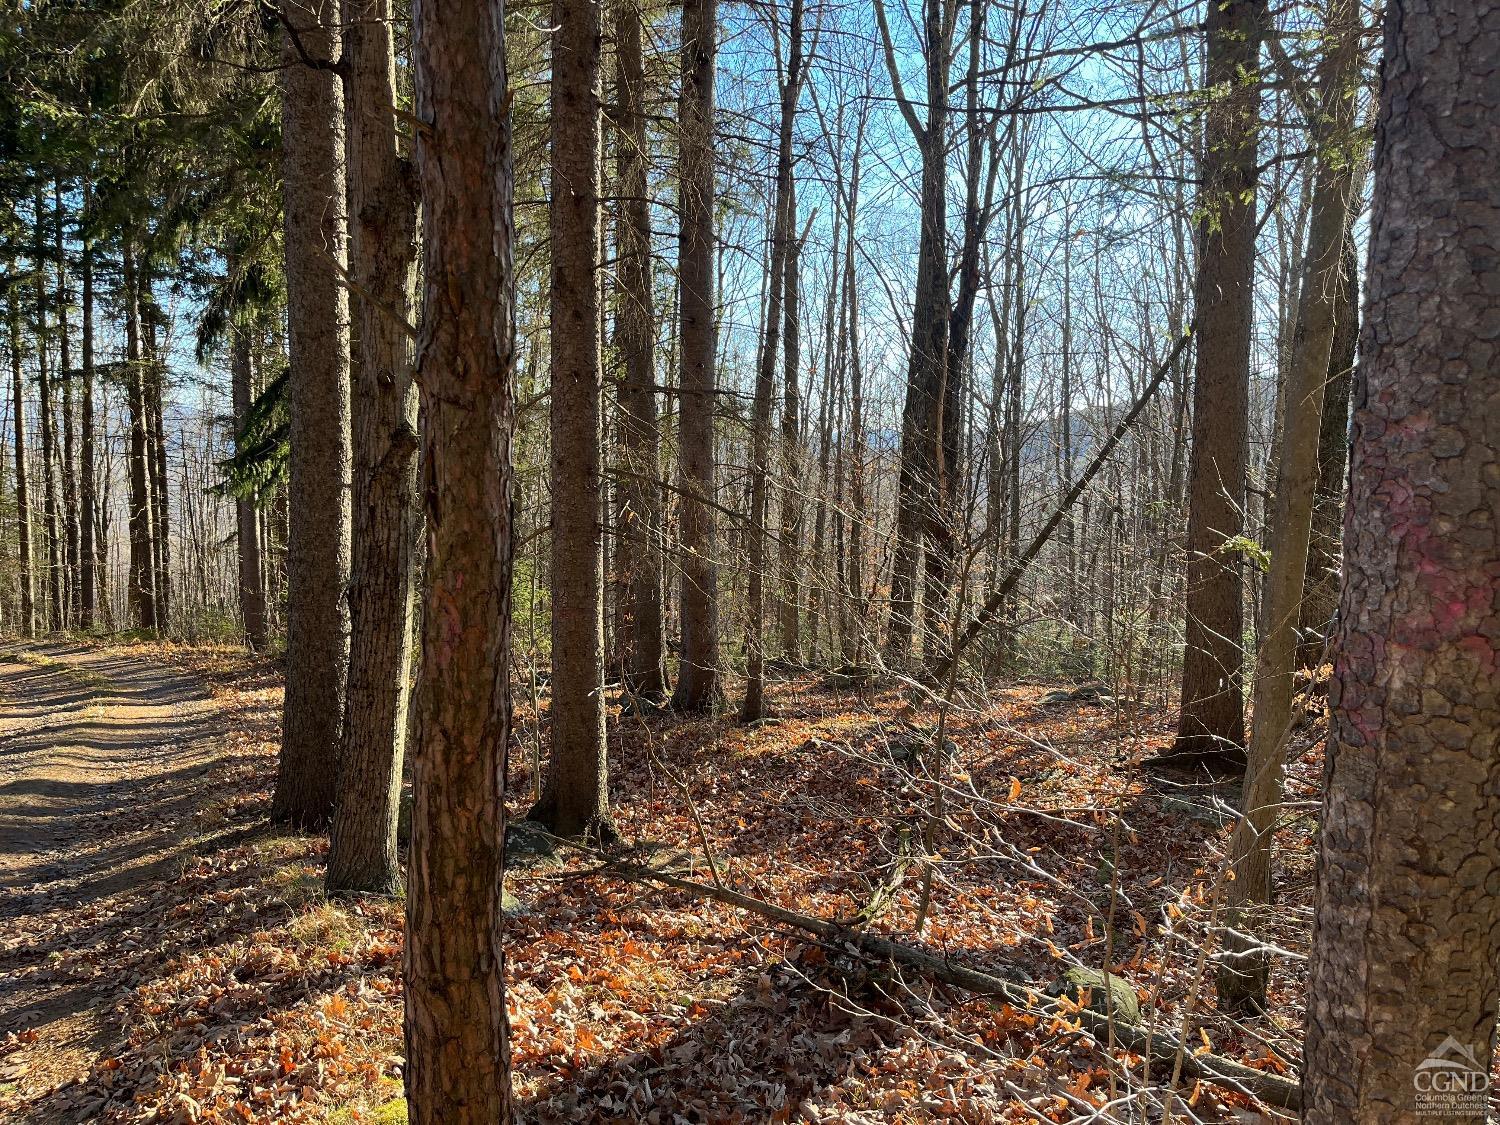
(166, 955)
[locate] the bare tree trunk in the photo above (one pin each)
(457, 1037)
(1406, 945)
(575, 798)
(639, 557)
(142, 583)
(318, 556)
(382, 254)
(51, 517)
(89, 571)
(919, 513)
(793, 497)
(252, 579)
(1320, 600)
(156, 465)
(26, 576)
(783, 213)
(1211, 727)
(1244, 973)
(69, 418)
(698, 686)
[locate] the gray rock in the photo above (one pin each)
(1101, 988)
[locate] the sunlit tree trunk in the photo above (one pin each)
(382, 253)
(1406, 945)
(1245, 969)
(575, 796)
(142, 579)
(457, 1038)
(26, 576)
(639, 556)
(1211, 726)
(765, 379)
(698, 674)
(318, 543)
(252, 582)
(88, 548)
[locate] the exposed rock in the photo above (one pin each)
(1101, 988)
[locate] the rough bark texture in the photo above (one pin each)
(1407, 941)
(26, 575)
(51, 517)
(382, 253)
(65, 378)
(575, 799)
(318, 547)
(1211, 728)
(919, 507)
(154, 377)
(639, 557)
(88, 568)
(698, 673)
(457, 1049)
(1321, 597)
(252, 579)
(765, 381)
(142, 585)
(793, 498)
(1245, 971)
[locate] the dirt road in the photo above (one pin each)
(102, 764)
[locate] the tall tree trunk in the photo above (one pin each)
(1320, 599)
(51, 517)
(156, 465)
(639, 557)
(382, 254)
(1245, 970)
(919, 509)
(88, 569)
(765, 379)
(71, 580)
(575, 798)
(1406, 945)
(698, 674)
(142, 584)
(793, 496)
(318, 555)
(457, 1038)
(252, 579)
(1211, 726)
(27, 575)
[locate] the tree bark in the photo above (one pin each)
(51, 517)
(156, 464)
(698, 674)
(142, 584)
(919, 508)
(457, 1038)
(639, 555)
(575, 797)
(71, 578)
(88, 569)
(1321, 598)
(765, 379)
(1211, 726)
(793, 497)
(1244, 971)
(318, 555)
(27, 573)
(251, 573)
(382, 254)
(1406, 945)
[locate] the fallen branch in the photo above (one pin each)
(991, 608)
(1268, 1088)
